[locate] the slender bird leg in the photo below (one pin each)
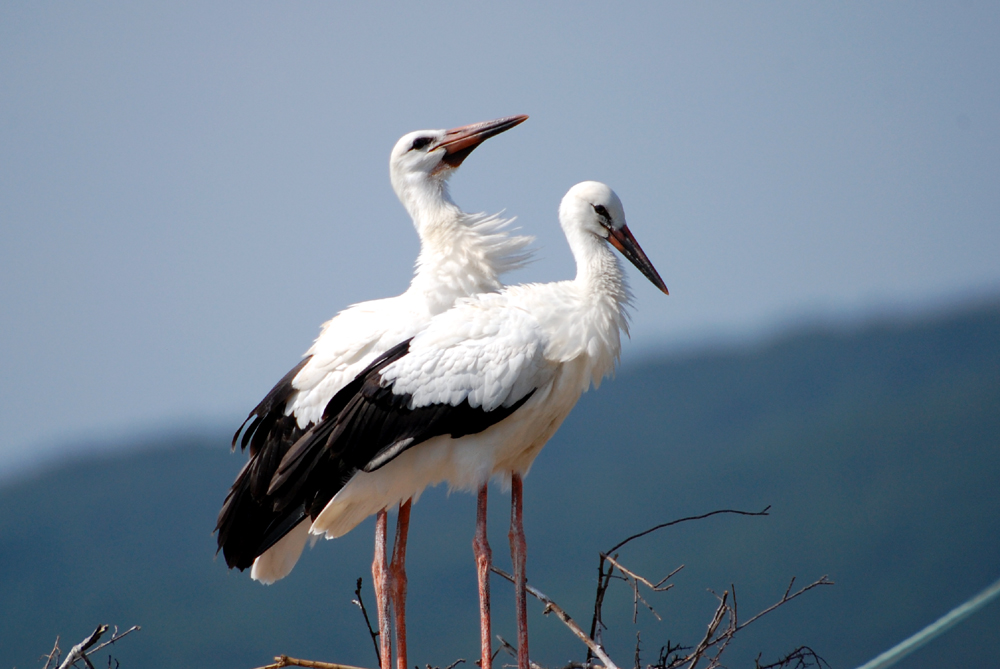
(380, 572)
(484, 560)
(518, 554)
(397, 580)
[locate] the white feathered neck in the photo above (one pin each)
(461, 254)
(594, 315)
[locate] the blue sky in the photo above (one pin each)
(188, 191)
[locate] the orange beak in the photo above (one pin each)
(458, 143)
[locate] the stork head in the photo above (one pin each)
(422, 161)
(592, 209)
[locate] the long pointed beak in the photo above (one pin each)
(626, 244)
(458, 143)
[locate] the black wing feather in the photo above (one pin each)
(371, 422)
(363, 422)
(247, 516)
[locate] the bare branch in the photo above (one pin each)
(115, 637)
(372, 633)
(651, 586)
(596, 624)
(450, 666)
(79, 651)
(634, 580)
(53, 655)
(803, 657)
(763, 512)
(554, 608)
(713, 625)
(285, 661)
(83, 650)
(665, 661)
(506, 646)
(722, 639)
(736, 618)
(604, 580)
(822, 580)
(512, 651)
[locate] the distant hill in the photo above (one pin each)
(878, 449)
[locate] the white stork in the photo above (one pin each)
(460, 254)
(475, 395)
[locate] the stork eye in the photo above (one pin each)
(420, 142)
(601, 211)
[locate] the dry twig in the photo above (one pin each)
(803, 657)
(634, 580)
(285, 661)
(552, 607)
(604, 579)
(81, 651)
(512, 651)
(372, 633)
(706, 641)
(53, 655)
(718, 640)
(719, 632)
(822, 580)
(454, 664)
(115, 636)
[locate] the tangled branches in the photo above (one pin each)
(720, 630)
(82, 651)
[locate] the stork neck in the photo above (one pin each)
(460, 254)
(605, 298)
(590, 312)
(455, 259)
(439, 224)
(598, 272)
(425, 198)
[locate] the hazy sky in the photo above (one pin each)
(188, 191)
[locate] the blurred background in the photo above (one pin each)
(187, 192)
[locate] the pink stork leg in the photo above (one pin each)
(484, 560)
(397, 572)
(518, 554)
(380, 572)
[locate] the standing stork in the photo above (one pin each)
(475, 395)
(460, 254)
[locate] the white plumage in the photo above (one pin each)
(550, 341)
(474, 395)
(460, 254)
(479, 251)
